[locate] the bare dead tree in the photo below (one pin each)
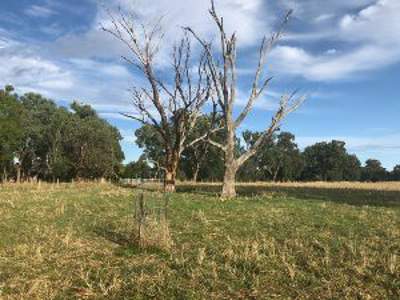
(223, 72)
(170, 105)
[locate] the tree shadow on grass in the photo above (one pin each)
(356, 197)
(127, 246)
(114, 236)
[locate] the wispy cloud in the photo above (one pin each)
(312, 9)
(31, 71)
(367, 41)
(39, 11)
(95, 82)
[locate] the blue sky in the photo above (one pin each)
(344, 54)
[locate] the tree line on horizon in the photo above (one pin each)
(279, 159)
(41, 140)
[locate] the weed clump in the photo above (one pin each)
(151, 227)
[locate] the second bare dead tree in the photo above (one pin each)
(170, 103)
(222, 67)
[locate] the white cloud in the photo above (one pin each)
(3, 43)
(366, 40)
(94, 82)
(377, 24)
(323, 18)
(107, 69)
(248, 17)
(332, 66)
(75, 71)
(32, 72)
(331, 51)
(314, 9)
(370, 41)
(93, 43)
(250, 14)
(269, 101)
(39, 11)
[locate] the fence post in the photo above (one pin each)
(140, 215)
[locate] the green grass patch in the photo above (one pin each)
(74, 241)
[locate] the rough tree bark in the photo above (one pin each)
(170, 173)
(224, 79)
(5, 175)
(200, 152)
(170, 105)
(18, 173)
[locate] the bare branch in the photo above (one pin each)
(203, 138)
(129, 116)
(159, 166)
(211, 64)
(215, 144)
(265, 48)
(250, 103)
(288, 104)
(176, 114)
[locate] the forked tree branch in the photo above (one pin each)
(257, 89)
(288, 104)
(171, 105)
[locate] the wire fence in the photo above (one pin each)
(140, 181)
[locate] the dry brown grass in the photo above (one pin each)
(72, 241)
(376, 186)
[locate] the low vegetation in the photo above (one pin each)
(71, 241)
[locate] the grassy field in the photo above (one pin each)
(275, 241)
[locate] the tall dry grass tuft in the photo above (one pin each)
(151, 227)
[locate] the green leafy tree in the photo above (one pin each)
(278, 159)
(201, 161)
(291, 161)
(34, 151)
(151, 142)
(139, 169)
(50, 142)
(395, 174)
(11, 129)
(94, 145)
(373, 171)
(60, 165)
(198, 161)
(329, 162)
(352, 170)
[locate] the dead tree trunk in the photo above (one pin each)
(200, 153)
(224, 79)
(171, 106)
(276, 175)
(18, 166)
(170, 173)
(5, 175)
(228, 188)
(229, 184)
(196, 173)
(170, 181)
